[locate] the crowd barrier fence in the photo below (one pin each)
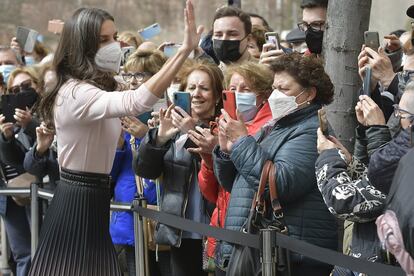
(267, 241)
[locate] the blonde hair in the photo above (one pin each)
(31, 72)
(259, 77)
(130, 38)
(145, 61)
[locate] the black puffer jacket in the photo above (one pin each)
(349, 194)
(291, 145)
(384, 161)
(178, 168)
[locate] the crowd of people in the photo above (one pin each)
(99, 123)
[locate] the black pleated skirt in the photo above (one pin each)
(74, 238)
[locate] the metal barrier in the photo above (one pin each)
(269, 239)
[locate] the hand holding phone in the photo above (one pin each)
(323, 121)
(273, 37)
(11, 102)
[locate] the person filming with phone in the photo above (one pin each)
(300, 88)
(248, 87)
(17, 127)
(163, 152)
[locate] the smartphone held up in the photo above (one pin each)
(183, 100)
(371, 40)
(229, 103)
(150, 31)
(273, 37)
(323, 121)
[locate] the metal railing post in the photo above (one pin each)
(139, 240)
(268, 253)
(145, 234)
(4, 263)
(34, 218)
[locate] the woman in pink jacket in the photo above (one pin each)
(85, 113)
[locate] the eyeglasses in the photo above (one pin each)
(21, 87)
(399, 113)
(316, 26)
(139, 76)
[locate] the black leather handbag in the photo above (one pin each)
(245, 261)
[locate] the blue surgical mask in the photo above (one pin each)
(30, 60)
(246, 105)
(5, 70)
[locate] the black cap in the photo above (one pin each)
(314, 3)
(410, 11)
(295, 35)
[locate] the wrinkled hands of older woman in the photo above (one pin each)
(230, 130)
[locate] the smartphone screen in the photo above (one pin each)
(273, 37)
(371, 40)
(183, 100)
(21, 100)
(229, 103)
(26, 38)
(171, 50)
(150, 31)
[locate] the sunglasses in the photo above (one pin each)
(21, 87)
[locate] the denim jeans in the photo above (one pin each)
(16, 222)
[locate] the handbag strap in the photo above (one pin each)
(264, 177)
(268, 176)
(274, 199)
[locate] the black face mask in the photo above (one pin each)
(227, 50)
(314, 40)
(29, 96)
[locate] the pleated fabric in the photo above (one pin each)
(75, 237)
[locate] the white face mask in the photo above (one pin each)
(109, 57)
(282, 105)
(246, 105)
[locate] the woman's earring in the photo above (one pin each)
(309, 102)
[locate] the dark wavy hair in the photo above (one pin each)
(308, 71)
(75, 54)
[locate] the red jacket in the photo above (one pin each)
(211, 189)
